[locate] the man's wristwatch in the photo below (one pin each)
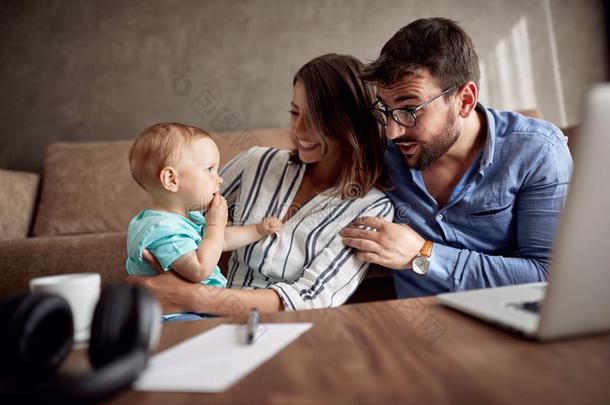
(421, 262)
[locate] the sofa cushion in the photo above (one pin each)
(88, 188)
(17, 202)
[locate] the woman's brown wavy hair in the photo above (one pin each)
(339, 102)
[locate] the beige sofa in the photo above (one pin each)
(76, 220)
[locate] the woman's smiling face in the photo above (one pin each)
(310, 145)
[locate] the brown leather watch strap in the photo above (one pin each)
(426, 250)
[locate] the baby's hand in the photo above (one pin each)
(217, 211)
(269, 225)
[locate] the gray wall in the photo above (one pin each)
(85, 71)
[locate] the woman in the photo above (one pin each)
(317, 189)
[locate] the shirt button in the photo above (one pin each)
(439, 217)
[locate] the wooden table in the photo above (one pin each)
(406, 351)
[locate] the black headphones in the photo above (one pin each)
(39, 336)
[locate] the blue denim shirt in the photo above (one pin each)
(498, 225)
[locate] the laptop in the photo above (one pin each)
(576, 299)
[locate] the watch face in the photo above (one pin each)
(421, 264)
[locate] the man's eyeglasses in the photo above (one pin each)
(402, 116)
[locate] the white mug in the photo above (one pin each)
(81, 290)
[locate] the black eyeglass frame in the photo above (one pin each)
(411, 111)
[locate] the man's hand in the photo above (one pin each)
(269, 225)
(393, 245)
(217, 212)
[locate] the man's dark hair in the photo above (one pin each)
(437, 44)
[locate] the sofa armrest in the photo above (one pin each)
(24, 259)
(17, 203)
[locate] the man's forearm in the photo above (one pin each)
(462, 269)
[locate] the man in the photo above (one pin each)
(478, 192)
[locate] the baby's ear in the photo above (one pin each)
(169, 179)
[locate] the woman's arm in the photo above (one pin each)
(178, 295)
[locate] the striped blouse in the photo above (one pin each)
(306, 263)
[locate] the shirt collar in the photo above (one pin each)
(490, 143)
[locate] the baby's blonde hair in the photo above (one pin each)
(157, 147)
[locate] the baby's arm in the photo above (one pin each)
(240, 236)
(198, 265)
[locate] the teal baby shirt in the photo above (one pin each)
(167, 236)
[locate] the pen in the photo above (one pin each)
(252, 326)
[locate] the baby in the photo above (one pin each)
(177, 165)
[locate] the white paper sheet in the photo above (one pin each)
(216, 359)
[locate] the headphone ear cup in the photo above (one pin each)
(125, 320)
(39, 335)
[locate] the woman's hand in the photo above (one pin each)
(173, 292)
(152, 260)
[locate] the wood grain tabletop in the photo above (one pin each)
(402, 351)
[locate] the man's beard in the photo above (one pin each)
(438, 146)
